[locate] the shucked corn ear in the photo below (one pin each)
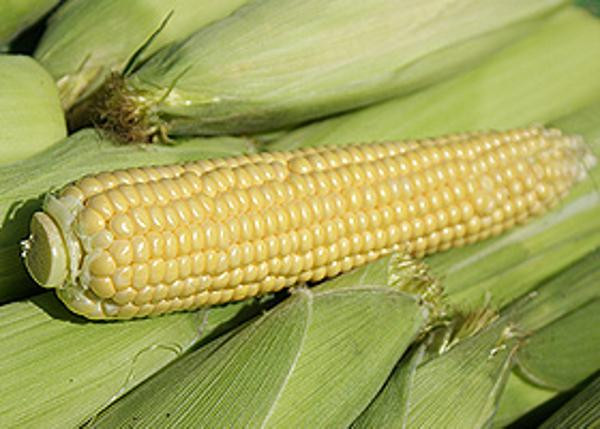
(149, 241)
(276, 63)
(80, 53)
(31, 118)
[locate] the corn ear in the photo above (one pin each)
(537, 79)
(582, 411)
(21, 193)
(314, 62)
(16, 16)
(59, 370)
(316, 359)
(31, 118)
(80, 53)
(141, 242)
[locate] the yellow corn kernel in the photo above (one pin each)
(148, 241)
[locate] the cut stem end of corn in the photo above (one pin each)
(45, 253)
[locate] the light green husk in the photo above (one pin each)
(58, 370)
(315, 360)
(564, 352)
(17, 15)
(31, 118)
(538, 79)
(276, 63)
(519, 398)
(583, 411)
(22, 192)
(87, 40)
(561, 351)
(457, 388)
(460, 379)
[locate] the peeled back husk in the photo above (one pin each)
(79, 47)
(276, 63)
(317, 359)
(59, 370)
(31, 118)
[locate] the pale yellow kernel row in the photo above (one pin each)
(164, 239)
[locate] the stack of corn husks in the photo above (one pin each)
(503, 332)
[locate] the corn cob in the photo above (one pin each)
(288, 61)
(148, 241)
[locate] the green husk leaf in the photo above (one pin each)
(583, 411)
(23, 185)
(17, 15)
(31, 118)
(461, 388)
(545, 310)
(288, 61)
(560, 295)
(538, 79)
(519, 397)
(389, 408)
(565, 352)
(316, 359)
(58, 370)
(458, 388)
(80, 53)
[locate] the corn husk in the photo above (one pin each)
(460, 378)
(583, 411)
(519, 398)
(87, 40)
(558, 316)
(317, 359)
(457, 388)
(538, 79)
(31, 118)
(277, 63)
(16, 16)
(21, 192)
(565, 352)
(58, 370)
